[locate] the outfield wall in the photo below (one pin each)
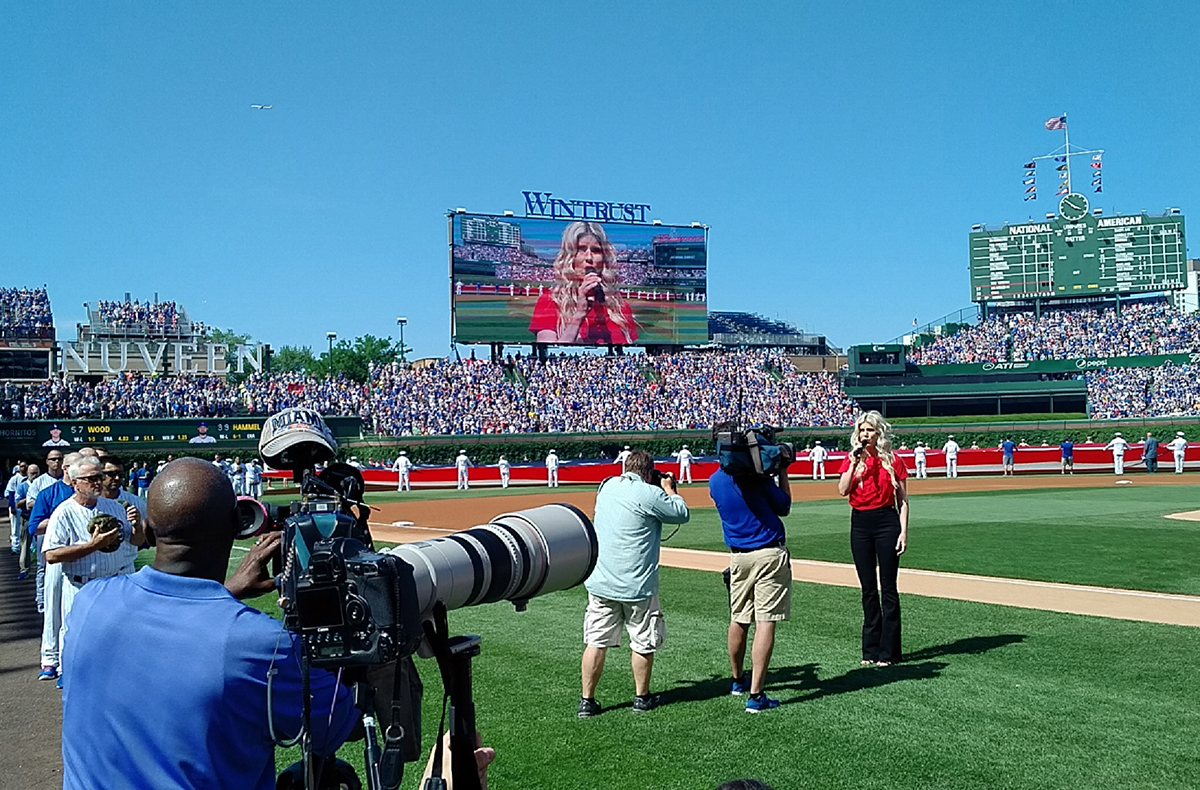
(1091, 458)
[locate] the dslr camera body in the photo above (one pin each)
(754, 451)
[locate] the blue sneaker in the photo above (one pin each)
(759, 702)
(740, 686)
(58, 683)
(48, 673)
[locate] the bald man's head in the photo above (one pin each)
(191, 504)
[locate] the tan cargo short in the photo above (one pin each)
(643, 621)
(760, 585)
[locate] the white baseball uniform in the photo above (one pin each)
(919, 457)
(403, 466)
(552, 470)
(464, 464)
(505, 469)
(685, 465)
(951, 448)
(1118, 445)
(1178, 447)
(818, 456)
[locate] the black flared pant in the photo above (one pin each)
(873, 536)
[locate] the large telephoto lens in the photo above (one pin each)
(516, 557)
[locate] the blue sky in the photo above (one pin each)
(839, 152)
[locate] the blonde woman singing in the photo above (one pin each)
(584, 305)
(873, 477)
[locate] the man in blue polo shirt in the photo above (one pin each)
(208, 684)
(1009, 448)
(760, 572)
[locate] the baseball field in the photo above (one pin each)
(1001, 685)
(987, 696)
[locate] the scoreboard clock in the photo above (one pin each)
(1078, 253)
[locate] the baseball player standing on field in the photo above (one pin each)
(552, 470)
(817, 455)
(951, 448)
(464, 464)
(403, 466)
(505, 471)
(919, 457)
(1010, 448)
(1178, 447)
(685, 465)
(621, 456)
(1118, 445)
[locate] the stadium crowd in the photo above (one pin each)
(156, 316)
(1164, 391)
(1139, 329)
(566, 394)
(24, 312)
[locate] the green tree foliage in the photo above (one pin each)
(351, 359)
(231, 340)
(296, 359)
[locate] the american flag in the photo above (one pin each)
(1054, 124)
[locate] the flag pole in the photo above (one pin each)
(1067, 149)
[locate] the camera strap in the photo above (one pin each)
(454, 656)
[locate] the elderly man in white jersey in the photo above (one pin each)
(505, 471)
(552, 469)
(621, 456)
(403, 466)
(85, 537)
(818, 455)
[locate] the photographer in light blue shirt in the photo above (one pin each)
(623, 589)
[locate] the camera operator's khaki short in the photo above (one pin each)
(760, 585)
(643, 621)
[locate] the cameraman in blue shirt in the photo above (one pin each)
(760, 571)
(220, 681)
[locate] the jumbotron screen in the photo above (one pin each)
(1078, 253)
(562, 282)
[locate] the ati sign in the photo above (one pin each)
(99, 357)
(544, 204)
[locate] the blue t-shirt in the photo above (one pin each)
(1009, 446)
(750, 510)
(168, 687)
(47, 500)
(1068, 449)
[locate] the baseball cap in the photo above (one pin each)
(1118, 433)
(1179, 433)
(202, 424)
(295, 438)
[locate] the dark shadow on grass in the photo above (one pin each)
(804, 677)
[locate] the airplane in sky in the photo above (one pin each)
(262, 106)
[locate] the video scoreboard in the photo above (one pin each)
(1078, 253)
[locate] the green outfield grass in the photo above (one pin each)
(1110, 537)
(988, 696)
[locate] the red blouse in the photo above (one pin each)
(597, 327)
(874, 488)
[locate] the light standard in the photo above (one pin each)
(332, 337)
(401, 321)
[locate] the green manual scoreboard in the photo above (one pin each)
(1078, 253)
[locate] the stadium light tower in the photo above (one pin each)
(400, 322)
(332, 336)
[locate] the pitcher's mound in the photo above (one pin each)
(1190, 515)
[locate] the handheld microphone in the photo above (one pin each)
(858, 451)
(598, 292)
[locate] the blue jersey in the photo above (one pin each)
(1068, 449)
(1008, 446)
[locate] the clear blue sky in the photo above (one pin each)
(840, 152)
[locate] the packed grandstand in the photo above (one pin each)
(573, 393)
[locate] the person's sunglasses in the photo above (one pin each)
(89, 478)
(111, 474)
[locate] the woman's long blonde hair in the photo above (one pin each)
(566, 289)
(883, 442)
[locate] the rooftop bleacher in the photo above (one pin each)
(25, 314)
(740, 330)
